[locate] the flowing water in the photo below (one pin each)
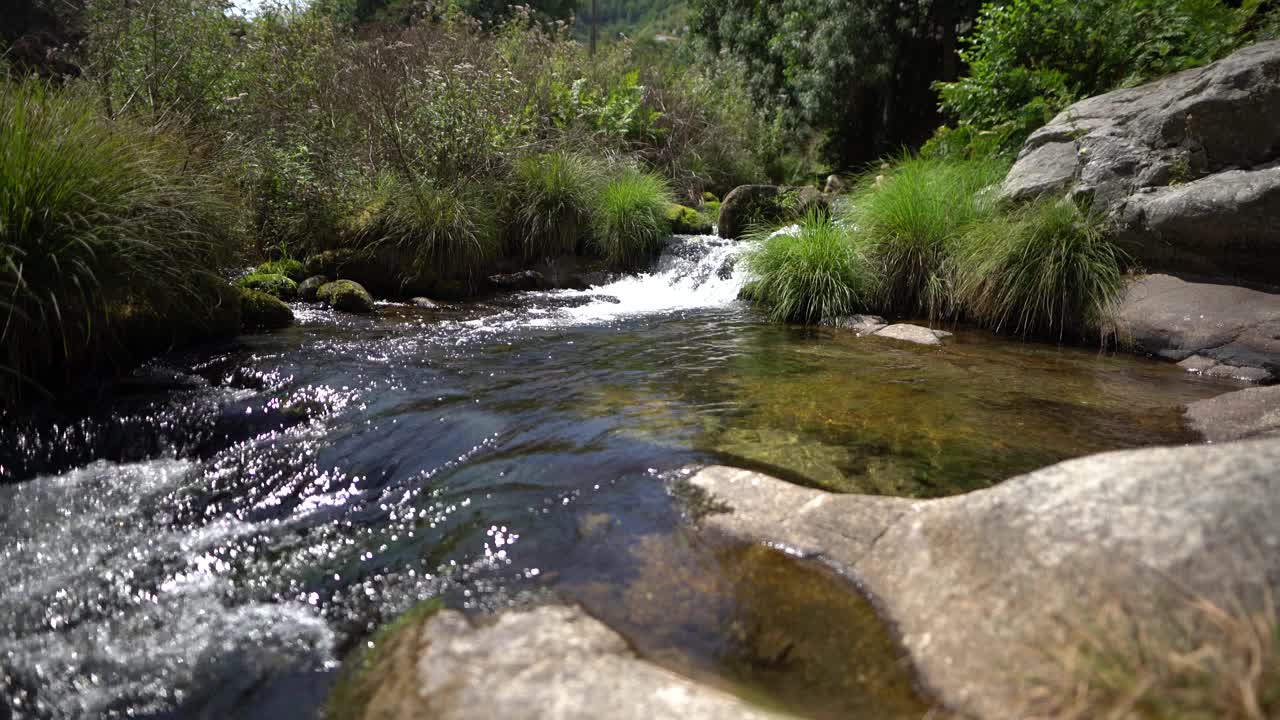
(212, 538)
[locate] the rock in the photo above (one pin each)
(260, 311)
(1201, 365)
(983, 586)
(687, 221)
(1249, 413)
(861, 324)
(525, 280)
(750, 205)
(547, 663)
(1176, 319)
(276, 285)
(1185, 164)
(308, 288)
(1226, 224)
(913, 334)
(834, 186)
(346, 296)
(425, 303)
(291, 269)
(385, 270)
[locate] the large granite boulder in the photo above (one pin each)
(1185, 164)
(1221, 330)
(548, 663)
(982, 587)
(749, 205)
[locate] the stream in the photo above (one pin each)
(213, 538)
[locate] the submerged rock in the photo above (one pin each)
(552, 663)
(861, 324)
(913, 334)
(983, 587)
(346, 296)
(1222, 325)
(309, 288)
(1185, 163)
(1249, 413)
(260, 311)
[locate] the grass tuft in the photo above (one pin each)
(552, 195)
(629, 223)
(814, 275)
(909, 221)
(94, 216)
(446, 231)
(1046, 269)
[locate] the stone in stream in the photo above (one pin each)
(518, 281)
(276, 285)
(346, 296)
(983, 587)
(913, 334)
(861, 324)
(551, 662)
(1222, 325)
(1186, 164)
(1249, 413)
(308, 289)
(260, 311)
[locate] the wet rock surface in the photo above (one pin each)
(548, 662)
(917, 334)
(980, 585)
(1222, 330)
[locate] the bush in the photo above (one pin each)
(1029, 59)
(814, 275)
(94, 216)
(1046, 269)
(909, 220)
(629, 222)
(552, 197)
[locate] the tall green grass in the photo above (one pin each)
(909, 221)
(95, 217)
(629, 222)
(1046, 269)
(552, 196)
(814, 275)
(448, 231)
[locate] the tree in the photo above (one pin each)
(858, 70)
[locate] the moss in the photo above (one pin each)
(711, 209)
(276, 285)
(709, 197)
(687, 221)
(377, 666)
(291, 269)
(345, 295)
(260, 311)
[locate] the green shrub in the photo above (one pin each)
(908, 222)
(552, 195)
(94, 216)
(1045, 269)
(271, 284)
(629, 222)
(443, 231)
(1029, 59)
(292, 269)
(817, 274)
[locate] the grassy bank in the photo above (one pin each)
(928, 238)
(110, 238)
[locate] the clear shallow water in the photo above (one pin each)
(213, 538)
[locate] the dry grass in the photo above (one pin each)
(1202, 662)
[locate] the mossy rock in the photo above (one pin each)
(261, 311)
(711, 209)
(710, 197)
(687, 221)
(291, 269)
(346, 295)
(372, 675)
(276, 285)
(308, 289)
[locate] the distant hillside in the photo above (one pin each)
(635, 18)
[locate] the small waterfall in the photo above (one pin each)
(693, 272)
